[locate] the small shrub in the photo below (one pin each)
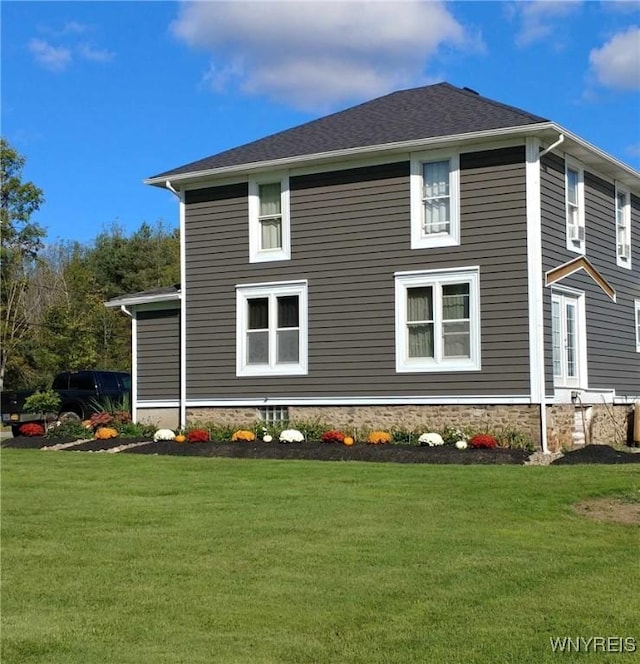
(104, 433)
(135, 430)
(101, 419)
(69, 430)
(31, 429)
(332, 436)
(218, 431)
(403, 437)
(243, 435)
(451, 435)
(198, 436)
(514, 440)
(483, 441)
(378, 438)
(310, 429)
(47, 401)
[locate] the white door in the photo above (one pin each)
(566, 340)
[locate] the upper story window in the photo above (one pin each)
(438, 320)
(637, 307)
(623, 228)
(269, 227)
(574, 188)
(435, 200)
(271, 329)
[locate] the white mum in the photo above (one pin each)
(431, 439)
(461, 444)
(291, 436)
(163, 434)
(267, 438)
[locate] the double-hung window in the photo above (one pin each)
(574, 195)
(438, 320)
(623, 228)
(435, 200)
(269, 226)
(271, 329)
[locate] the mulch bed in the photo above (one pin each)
(591, 454)
(597, 454)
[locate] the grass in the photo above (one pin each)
(135, 559)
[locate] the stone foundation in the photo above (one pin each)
(163, 418)
(602, 423)
(568, 425)
(524, 419)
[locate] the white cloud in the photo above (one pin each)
(539, 18)
(95, 54)
(311, 53)
(54, 58)
(58, 57)
(617, 63)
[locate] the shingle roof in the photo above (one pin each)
(426, 112)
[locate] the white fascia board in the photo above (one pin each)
(362, 401)
(349, 153)
(146, 299)
(587, 152)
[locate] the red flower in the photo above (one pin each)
(31, 429)
(483, 441)
(198, 436)
(332, 437)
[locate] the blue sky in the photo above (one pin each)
(100, 95)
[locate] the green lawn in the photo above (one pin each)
(139, 559)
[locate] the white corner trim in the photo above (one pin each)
(534, 272)
(535, 290)
(183, 314)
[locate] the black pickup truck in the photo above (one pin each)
(78, 390)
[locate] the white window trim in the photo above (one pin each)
(636, 325)
(418, 239)
(582, 380)
(405, 280)
(256, 254)
(271, 290)
(621, 259)
(571, 246)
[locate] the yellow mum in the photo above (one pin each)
(104, 433)
(379, 438)
(243, 435)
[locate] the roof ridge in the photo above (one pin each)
(498, 104)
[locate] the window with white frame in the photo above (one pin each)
(438, 320)
(574, 188)
(274, 414)
(271, 329)
(623, 228)
(269, 226)
(435, 199)
(637, 319)
(568, 334)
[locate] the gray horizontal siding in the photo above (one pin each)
(612, 360)
(350, 232)
(158, 354)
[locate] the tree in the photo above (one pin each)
(21, 240)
